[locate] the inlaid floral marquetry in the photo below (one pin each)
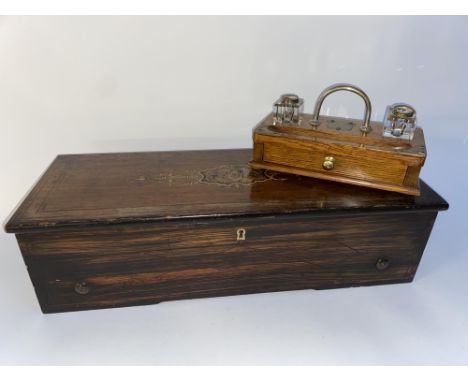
(237, 176)
(223, 175)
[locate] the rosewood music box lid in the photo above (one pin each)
(104, 189)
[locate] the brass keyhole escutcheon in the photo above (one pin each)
(82, 288)
(328, 163)
(241, 234)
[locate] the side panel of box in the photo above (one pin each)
(149, 263)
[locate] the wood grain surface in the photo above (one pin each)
(369, 160)
(149, 263)
(96, 189)
(111, 230)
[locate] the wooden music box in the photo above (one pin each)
(387, 155)
(109, 230)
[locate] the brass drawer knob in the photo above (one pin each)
(82, 288)
(328, 163)
(382, 264)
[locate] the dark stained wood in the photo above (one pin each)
(94, 189)
(148, 263)
(110, 230)
(368, 160)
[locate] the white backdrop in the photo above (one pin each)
(101, 84)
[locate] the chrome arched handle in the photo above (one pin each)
(365, 128)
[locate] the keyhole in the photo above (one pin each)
(241, 234)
